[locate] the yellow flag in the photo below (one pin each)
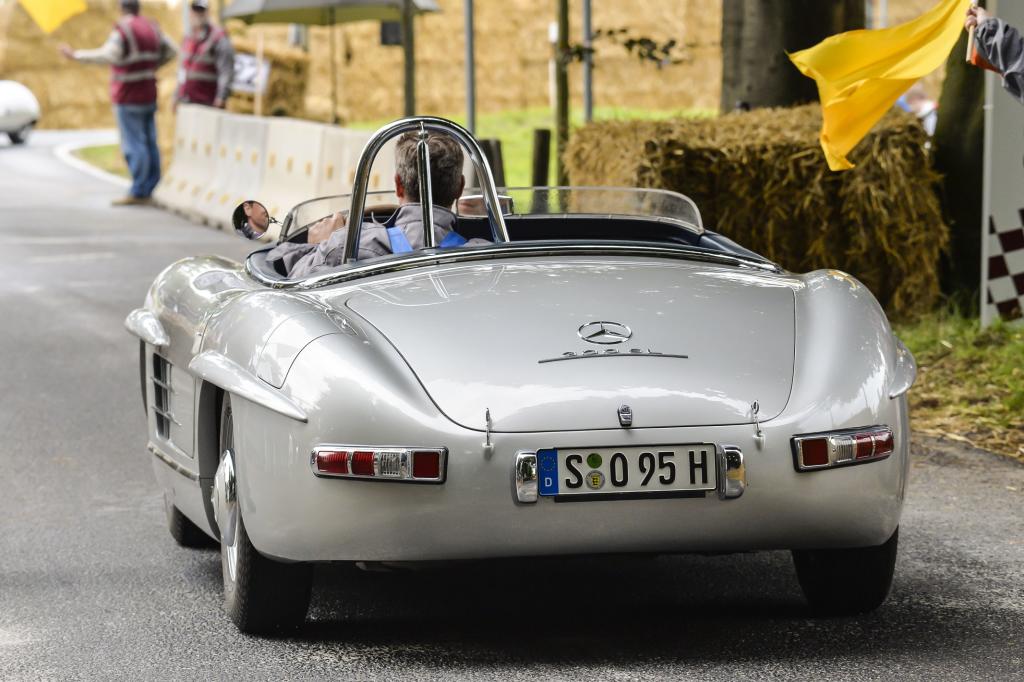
(50, 14)
(861, 74)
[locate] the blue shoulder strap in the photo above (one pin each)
(399, 243)
(452, 240)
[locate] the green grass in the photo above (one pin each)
(971, 381)
(515, 130)
(105, 157)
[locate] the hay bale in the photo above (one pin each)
(760, 178)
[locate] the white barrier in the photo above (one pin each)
(238, 168)
(341, 151)
(222, 159)
(192, 170)
(173, 187)
(292, 164)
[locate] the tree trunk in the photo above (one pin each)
(959, 157)
(756, 34)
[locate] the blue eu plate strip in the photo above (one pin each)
(547, 464)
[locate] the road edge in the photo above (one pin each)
(65, 153)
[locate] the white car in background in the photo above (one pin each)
(19, 111)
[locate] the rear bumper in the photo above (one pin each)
(291, 514)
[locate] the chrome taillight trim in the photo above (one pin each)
(797, 442)
(400, 470)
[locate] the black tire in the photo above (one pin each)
(263, 596)
(20, 136)
(843, 582)
(184, 532)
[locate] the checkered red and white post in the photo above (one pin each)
(1005, 294)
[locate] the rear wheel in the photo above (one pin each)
(261, 596)
(847, 581)
(20, 136)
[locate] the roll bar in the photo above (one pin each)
(424, 125)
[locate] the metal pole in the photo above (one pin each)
(409, 46)
(334, 70)
(588, 64)
(985, 311)
(470, 66)
(562, 92)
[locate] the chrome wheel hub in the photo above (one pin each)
(225, 510)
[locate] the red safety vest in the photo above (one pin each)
(133, 79)
(199, 67)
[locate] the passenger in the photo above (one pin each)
(403, 232)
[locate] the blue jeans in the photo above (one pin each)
(137, 123)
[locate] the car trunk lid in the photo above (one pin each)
(682, 343)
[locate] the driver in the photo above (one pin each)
(403, 232)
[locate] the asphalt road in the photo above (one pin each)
(93, 587)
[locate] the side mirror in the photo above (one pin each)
(251, 219)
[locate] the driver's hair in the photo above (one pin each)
(446, 160)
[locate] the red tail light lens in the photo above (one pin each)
(814, 452)
(828, 450)
(387, 464)
(426, 464)
(331, 462)
(362, 463)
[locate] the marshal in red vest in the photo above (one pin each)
(199, 67)
(133, 79)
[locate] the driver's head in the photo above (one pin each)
(446, 160)
(257, 214)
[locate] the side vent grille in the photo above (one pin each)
(162, 396)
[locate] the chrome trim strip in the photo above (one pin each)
(227, 374)
(439, 125)
(426, 187)
(144, 324)
(166, 459)
(607, 354)
(163, 385)
(166, 415)
(513, 250)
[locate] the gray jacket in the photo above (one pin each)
(1003, 47)
(303, 260)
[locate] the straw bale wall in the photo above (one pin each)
(512, 60)
(760, 178)
(285, 93)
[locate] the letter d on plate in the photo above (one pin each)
(547, 465)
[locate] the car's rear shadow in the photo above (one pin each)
(715, 608)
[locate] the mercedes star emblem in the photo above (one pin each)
(605, 333)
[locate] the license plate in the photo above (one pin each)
(663, 471)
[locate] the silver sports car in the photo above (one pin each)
(606, 375)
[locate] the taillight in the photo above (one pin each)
(420, 465)
(841, 448)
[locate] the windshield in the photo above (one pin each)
(605, 202)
